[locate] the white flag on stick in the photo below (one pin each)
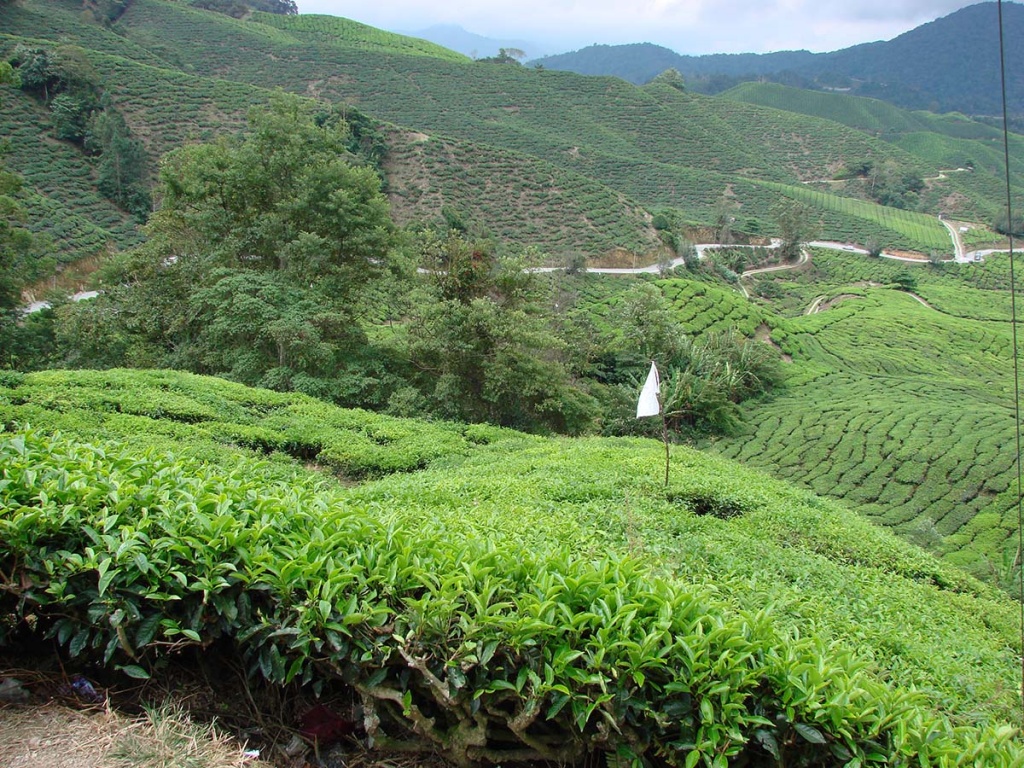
(648, 405)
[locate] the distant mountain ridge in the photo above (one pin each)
(471, 44)
(639, 63)
(950, 64)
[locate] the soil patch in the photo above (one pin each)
(620, 259)
(764, 335)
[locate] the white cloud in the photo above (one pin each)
(687, 26)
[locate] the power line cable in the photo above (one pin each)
(1019, 562)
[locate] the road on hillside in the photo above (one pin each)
(959, 254)
(36, 306)
(701, 249)
(804, 258)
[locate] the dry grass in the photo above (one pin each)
(55, 736)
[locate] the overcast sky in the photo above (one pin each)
(685, 26)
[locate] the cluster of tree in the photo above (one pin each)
(672, 78)
(704, 379)
(106, 12)
(83, 114)
(366, 138)
(1006, 225)
(255, 264)
(885, 183)
(796, 225)
(505, 56)
(273, 261)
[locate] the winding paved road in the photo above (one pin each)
(702, 249)
(958, 244)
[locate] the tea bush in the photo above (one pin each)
(485, 652)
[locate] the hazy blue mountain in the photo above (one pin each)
(471, 44)
(950, 64)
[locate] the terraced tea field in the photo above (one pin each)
(59, 197)
(969, 152)
(471, 537)
(535, 201)
(903, 411)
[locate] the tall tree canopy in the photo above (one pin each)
(257, 259)
(484, 348)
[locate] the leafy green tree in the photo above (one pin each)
(672, 78)
(711, 376)
(122, 171)
(238, 8)
(1004, 226)
(258, 258)
(696, 403)
(704, 379)
(107, 11)
(646, 324)
(483, 346)
(904, 281)
(744, 368)
(15, 242)
(795, 227)
(286, 197)
(37, 70)
(234, 8)
(83, 114)
(725, 212)
(505, 56)
(7, 74)
(72, 112)
(47, 72)
(687, 251)
(283, 7)
(855, 169)
(888, 184)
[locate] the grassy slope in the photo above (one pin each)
(333, 30)
(901, 411)
(813, 566)
(658, 146)
(871, 115)
(512, 197)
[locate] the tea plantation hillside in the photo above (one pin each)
(902, 406)
(60, 196)
(493, 595)
(970, 152)
(871, 115)
(477, 143)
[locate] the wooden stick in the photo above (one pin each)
(664, 435)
